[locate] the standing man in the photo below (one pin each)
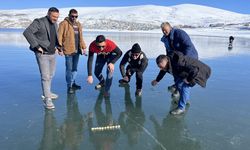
(42, 37)
(177, 40)
(137, 63)
(188, 70)
(107, 52)
(72, 44)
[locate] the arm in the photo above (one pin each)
(83, 44)
(160, 75)
(118, 52)
(61, 30)
(144, 64)
(188, 47)
(29, 34)
(123, 63)
(90, 61)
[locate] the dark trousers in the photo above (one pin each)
(139, 75)
(100, 62)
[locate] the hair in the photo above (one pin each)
(53, 9)
(100, 39)
(165, 24)
(160, 58)
(73, 11)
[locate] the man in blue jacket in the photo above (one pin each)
(177, 40)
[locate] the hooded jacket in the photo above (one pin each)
(66, 37)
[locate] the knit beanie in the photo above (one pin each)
(136, 48)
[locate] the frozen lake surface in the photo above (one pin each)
(218, 117)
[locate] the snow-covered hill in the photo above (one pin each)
(146, 17)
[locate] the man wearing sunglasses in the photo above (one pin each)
(72, 45)
(107, 52)
(137, 63)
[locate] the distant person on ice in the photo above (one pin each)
(186, 71)
(137, 63)
(230, 44)
(42, 37)
(177, 40)
(107, 53)
(72, 44)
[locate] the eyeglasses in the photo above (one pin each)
(100, 46)
(73, 16)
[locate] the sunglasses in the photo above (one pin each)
(100, 46)
(135, 54)
(73, 16)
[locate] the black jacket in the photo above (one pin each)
(185, 67)
(138, 65)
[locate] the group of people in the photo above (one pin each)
(46, 39)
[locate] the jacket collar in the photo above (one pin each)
(68, 20)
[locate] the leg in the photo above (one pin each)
(44, 68)
(100, 62)
(129, 73)
(52, 72)
(74, 67)
(184, 90)
(69, 67)
(139, 79)
(109, 79)
(109, 76)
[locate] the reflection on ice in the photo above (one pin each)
(208, 47)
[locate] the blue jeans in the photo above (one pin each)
(71, 62)
(100, 62)
(47, 67)
(184, 90)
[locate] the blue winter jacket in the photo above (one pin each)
(181, 42)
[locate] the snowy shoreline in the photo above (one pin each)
(210, 32)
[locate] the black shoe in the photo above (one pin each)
(123, 81)
(71, 90)
(76, 87)
(99, 86)
(138, 92)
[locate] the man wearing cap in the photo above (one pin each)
(107, 52)
(137, 63)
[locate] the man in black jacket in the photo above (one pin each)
(137, 62)
(184, 69)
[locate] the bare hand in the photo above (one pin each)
(185, 80)
(59, 52)
(111, 67)
(154, 82)
(84, 52)
(125, 78)
(40, 50)
(90, 79)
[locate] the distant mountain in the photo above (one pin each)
(146, 17)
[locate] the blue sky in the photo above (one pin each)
(240, 6)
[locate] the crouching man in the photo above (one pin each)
(137, 63)
(186, 71)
